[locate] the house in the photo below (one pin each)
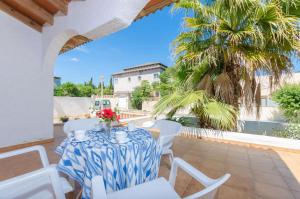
(128, 79)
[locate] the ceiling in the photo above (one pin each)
(38, 13)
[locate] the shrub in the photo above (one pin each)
(140, 94)
(288, 98)
(292, 131)
(64, 119)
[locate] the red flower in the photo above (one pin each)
(108, 115)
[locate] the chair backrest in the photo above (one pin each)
(81, 124)
(168, 130)
(211, 185)
(39, 148)
(43, 183)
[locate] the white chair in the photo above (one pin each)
(45, 162)
(40, 184)
(161, 188)
(168, 130)
(81, 124)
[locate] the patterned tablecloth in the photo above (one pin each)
(121, 165)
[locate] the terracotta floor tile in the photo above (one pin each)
(239, 171)
(254, 172)
(262, 167)
(241, 183)
(292, 183)
(296, 194)
(237, 162)
(226, 192)
(193, 187)
(267, 178)
(274, 192)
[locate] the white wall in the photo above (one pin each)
(27, 58)
(75, 106)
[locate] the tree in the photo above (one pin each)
(167, 81)
(288, 98)
(67, 89)
(227, 42)
(140, 94)
(86, 90)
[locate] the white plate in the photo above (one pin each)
(121, 141)
(86, 138)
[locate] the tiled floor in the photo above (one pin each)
(256, 174)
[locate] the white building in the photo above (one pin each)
(128, 79)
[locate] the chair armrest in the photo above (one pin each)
(209, 183)
(39, 148)
(98, 188)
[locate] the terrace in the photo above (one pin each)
(256, 173)
(38, 31)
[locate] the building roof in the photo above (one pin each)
(142, 67)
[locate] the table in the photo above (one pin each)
(121, 165)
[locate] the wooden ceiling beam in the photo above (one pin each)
(14, 13)
(60, 5)
(35, 9)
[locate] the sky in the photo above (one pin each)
(147, 40)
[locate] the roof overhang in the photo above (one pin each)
(38, 13)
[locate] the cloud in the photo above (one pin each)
(74, 59)
(82, 49)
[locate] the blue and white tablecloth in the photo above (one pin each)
(121, 165)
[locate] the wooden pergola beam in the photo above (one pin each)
(14, 13)
(35, 9)
(60, 5)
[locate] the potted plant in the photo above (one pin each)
(64, 119)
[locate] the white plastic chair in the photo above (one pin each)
(81, 124)
(161, 188)
(168, 130)
(39, 184)
(45, 162)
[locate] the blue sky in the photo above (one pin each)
(147, 40)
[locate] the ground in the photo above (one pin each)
(256, 173)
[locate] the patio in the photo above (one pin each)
(256, 173)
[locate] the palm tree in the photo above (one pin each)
(211, 113)
(227, 43)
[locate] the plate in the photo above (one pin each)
(86, 138)
(123, 141)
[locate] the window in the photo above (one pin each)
(139, 78)
(129, 79)
(116, 80)
(156, 75)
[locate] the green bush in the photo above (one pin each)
(288, 98)
(140, 94)
(67, 89)
(292, 131)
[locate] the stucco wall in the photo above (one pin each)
(266, 113)
(74, 106)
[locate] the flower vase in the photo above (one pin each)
(108, 127)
